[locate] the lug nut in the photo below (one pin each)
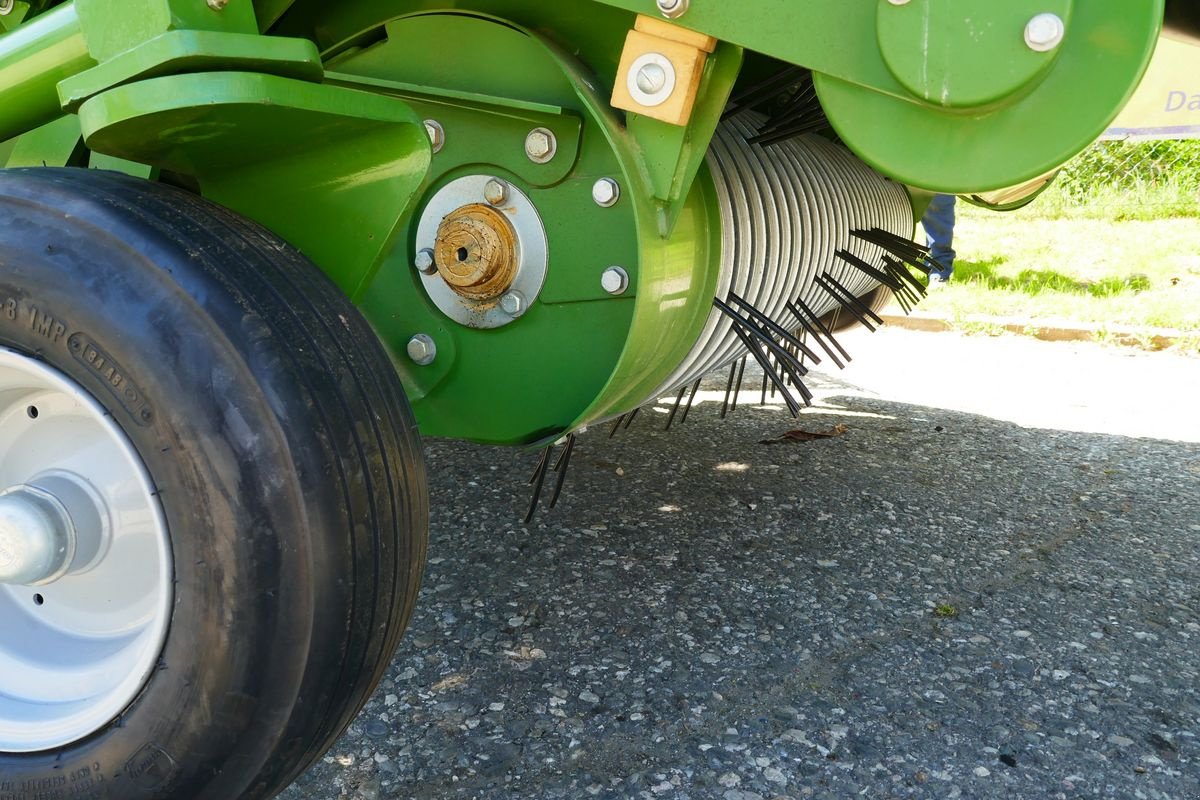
(422, 350)
(606, 192)
(673, 9)
(496, 191)
(437, 134)
(218, 5)
(512, 304)
(424, 262)
(541, 145)
(615, 280)
(1044, 32)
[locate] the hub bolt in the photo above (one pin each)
(513, 304)
(437, 134)
(425, 263)
(422, 350)
(1045, 32)
(541, 145)
(37, 538)
(606, 192)
(615, 281)
(496, 191)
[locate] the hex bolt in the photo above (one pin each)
(512, 304)
(673, 9)
(615, 280)
(651, 79)
(6, 7)
(606, 192)
(541, 145)
(437, 134)
(1045, 32)
(218, 5)
(424, 262)
(898, 2)
(496, 191)
(422, 350)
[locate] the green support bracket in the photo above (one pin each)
(332, 170)
(195, 51)
(671, 154)
(112, 27)
(55, 144)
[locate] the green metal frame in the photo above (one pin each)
(315, 129)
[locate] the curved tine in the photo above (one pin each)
(691, 399)
(539, 478)
(564, 463)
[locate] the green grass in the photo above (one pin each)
(1062, 270)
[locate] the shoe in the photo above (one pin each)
(937, 280)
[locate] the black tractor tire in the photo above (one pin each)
(285, 457)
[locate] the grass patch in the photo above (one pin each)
(1140, 273)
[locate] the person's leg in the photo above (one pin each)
(939, 231)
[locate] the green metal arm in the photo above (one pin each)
(33, 59)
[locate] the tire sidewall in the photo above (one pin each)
(170, 352)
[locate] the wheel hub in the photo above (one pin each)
(85, 562)
(476, 252)
(37, 538)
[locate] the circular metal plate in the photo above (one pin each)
(532, 253)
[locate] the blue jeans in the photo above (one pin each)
(939, 231)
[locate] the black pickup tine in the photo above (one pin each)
(761, 92)
(859, 304)
(691, 399)
(675, 408)
(738, 383)
(904, 249)
(763, 401)
(774, 327)
(801, 311)
(728, 389)
(898, 268)
(561, 466)
(617, 426)
(770, 327)
(538, 479)
(888, 280)
(632, 416)
(788, 365)
(756, 350)
(845, 303)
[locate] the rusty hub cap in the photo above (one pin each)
(476, 252)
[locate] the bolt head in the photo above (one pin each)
(1045, 32)
(652, 78)
(6, 7)
(422, 350)
(437, 134)
(425, 263)
(37, 539)
(898, 2)
(541, 145)
(496, 191)
(606, 192)
(512, 304)
(615, 280)
(218, 5)
(673, 9)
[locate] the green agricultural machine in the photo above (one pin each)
(247, 246)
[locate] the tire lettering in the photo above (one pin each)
(83, 783)
(151, 767)
(10, 308)
(45, 325)
(101, 364)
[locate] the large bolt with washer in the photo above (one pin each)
(1044, 32)
(422, 350)
(495, 192)
(615, 281)
(513, 304)
(437, 135)
(218, 5)
(424, 262)
(673, 9)
(6, 7)
(541, 145)
(606, 192)
(37, 537)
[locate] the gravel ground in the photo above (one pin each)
(987, 587)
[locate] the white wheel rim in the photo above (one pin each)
(77, 647)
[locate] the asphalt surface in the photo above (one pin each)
(988, 586)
